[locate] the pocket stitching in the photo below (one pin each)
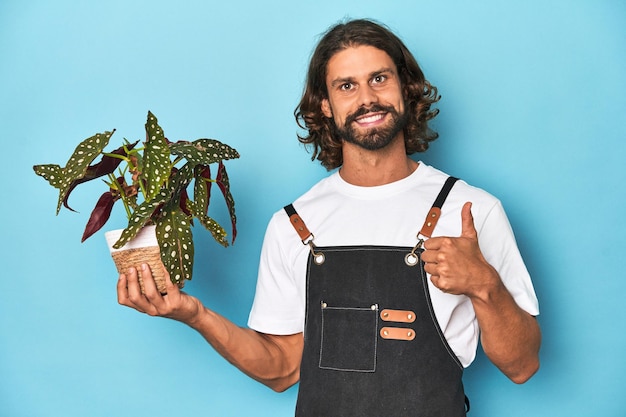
(375, 350)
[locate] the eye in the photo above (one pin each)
(379, 79)
(346, 87)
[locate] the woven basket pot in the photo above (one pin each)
(144, 248)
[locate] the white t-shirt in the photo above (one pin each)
(341, 214)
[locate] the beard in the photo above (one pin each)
(374, 138)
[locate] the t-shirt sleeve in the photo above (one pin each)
(278, 306)
(497, 242)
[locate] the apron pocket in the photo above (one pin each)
(349, 338)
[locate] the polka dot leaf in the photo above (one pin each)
(179, 181)
(204, 151)
(218, 232)
(76, 167)
(156, 158)
(202, 188)
(53, 173)
(173, 231)
(140, 217)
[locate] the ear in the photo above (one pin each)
(326, 108)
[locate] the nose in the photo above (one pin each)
(367, 96)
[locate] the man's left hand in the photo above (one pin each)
(456, 264)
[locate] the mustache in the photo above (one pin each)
(362, 111)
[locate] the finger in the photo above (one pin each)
(122, 290)
(429, 255)
(434, 243)
(440, 283)
(145, 300)
(436, 280)
(133, 287)
(467, 221)
(128, 290)
(149, 285)
(430, 268)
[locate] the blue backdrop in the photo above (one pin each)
(533, 111)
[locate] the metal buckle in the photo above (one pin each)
(411, 258)
(318, 257)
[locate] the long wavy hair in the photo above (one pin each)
(418, 93)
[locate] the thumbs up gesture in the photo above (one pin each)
(456, 264)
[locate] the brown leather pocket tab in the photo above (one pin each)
(400, 316)
(397, 333)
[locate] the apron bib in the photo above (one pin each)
(372, 344)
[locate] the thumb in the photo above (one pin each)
(467, 222)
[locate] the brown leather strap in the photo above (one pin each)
(298, 224)
(435, 212)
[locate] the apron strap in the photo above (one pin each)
(427, 229)
(305, 235)
(435, 212)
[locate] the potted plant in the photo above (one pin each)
(152, 181)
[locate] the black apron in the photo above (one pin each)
(372, 344)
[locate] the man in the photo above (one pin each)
(343, 303)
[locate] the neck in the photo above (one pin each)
(371, 168)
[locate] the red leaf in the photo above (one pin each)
(99, 215)
(108, 164)
(184, 197)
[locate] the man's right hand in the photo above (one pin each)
(175, 304)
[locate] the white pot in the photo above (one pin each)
(145, 238)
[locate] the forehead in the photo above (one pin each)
(357, 62)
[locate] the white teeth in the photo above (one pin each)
(371, 119)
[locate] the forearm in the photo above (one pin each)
(510, 337)
(273, 360)
(270, 359)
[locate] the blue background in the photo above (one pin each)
(533, 111)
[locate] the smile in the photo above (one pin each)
(370, 118)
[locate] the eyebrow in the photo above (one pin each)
(344, 80)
